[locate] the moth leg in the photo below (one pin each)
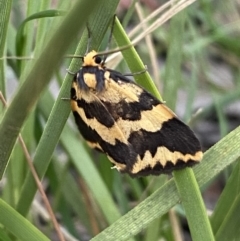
(70, 72)
(137, 73)
(66, 98)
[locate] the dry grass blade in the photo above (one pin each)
(152, 52)
(179, 6)
(161, 14)
(37, 180)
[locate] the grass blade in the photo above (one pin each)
(18, 225)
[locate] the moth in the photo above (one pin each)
(139, 134)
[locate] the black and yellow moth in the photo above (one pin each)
(138, 133)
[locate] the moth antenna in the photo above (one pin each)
(89, 38)
(137, 73)
(74, 56)
(109, 39)
(102, 53)
(66, 98)
(88, 45)
(113, 51)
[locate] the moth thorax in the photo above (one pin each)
(89, 59)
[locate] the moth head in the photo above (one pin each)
(92, 59)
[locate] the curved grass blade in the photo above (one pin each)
(18, 225)
(42, 14)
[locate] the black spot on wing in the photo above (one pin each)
(120, 152)
(174, 135)
(127, 111)
(131, 110)
(181, 137)
(147, 100)
(96, 110)
(73, 94)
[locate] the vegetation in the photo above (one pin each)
(192, 50)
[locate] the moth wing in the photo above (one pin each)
(162, 142)
(98, 127)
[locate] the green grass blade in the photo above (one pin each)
(18, 225)
(193, 204)
(229, 229)
(4, 236)
(43, 14)
(4, 13)
(173, 74)
(225, 218)
(68, 189)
